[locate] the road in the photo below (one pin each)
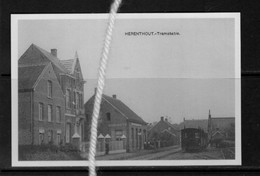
(178, 154)
(172, 153)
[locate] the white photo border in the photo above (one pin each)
(108, 163)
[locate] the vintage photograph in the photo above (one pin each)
(171, 96)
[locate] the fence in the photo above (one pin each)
(113, 147)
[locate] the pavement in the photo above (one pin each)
(141, 154)
(171, 153)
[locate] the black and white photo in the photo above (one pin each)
(171, 96)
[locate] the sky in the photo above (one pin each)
(173, 75)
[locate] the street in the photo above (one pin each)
(172, 153)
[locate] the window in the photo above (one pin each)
(49, 85)
(77, 100)
(58, 114)
(108, 116)
(119, 134)
(50, 136)
(74, 100)
(41, 138)
(197, 135)
(81, 100)
(133, 142)
(41, 111)
(58, 139)
(49, 113)
(67, 132)
(68, 98)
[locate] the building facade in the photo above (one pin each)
(221, 128)
(163, 134)
(119, 128)
(50, 100)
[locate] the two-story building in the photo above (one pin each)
(50, 100)
(118, 124)
(41, 106)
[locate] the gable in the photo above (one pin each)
(162, 126)
(49, 75)
(118, 106)
(35, 55)
(77, 69)
(32, 56)
(124, 110)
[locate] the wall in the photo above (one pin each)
(24, 118)
(117, 122)
(137, 136)
(57, 99)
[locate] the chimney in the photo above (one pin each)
(162, 118)
(166, 119)
(54, 52)
(114, 96)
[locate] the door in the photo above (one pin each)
(68, 133)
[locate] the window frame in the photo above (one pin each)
(41, 111)
(58, 118)
(68, 98)
(41, 138)
(196, 135)
(49, 89)
(50, 115)
(50, 136)
(108, 116)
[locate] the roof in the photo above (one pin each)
(36, 55)
(69, 64)
(222, 122)
(197, 123)
(163, 125)
(123, 109)
(168, 132)
(28, 75)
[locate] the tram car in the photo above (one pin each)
(193, 139)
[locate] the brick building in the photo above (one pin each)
(125, 130)
(163, 134)
(50, 100)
